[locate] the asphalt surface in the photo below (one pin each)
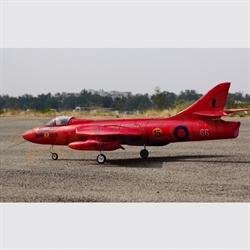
(208, 171)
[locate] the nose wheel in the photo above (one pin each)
(101, 158)
(54, 156)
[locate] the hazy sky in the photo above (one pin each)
(36, 71)
(55, 46)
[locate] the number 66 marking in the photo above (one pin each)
(204, 132)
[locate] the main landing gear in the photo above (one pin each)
(101, 158)
(144, 153)
(54, 156)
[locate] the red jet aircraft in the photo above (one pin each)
(200, 121)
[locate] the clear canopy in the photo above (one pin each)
(59, 121)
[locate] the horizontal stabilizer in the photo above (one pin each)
(214, 114)
(229, 111)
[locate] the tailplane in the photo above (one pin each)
(211, 104)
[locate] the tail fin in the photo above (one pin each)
(211, 104)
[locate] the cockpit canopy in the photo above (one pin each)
(59, 121)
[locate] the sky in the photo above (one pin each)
(42, 70)
(50, 47)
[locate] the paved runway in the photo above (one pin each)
(208, 171)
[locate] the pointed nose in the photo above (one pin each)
(28, 135)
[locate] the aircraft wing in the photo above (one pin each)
(108, 130)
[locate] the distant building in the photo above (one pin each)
(72, 94)
(79, 108)
(113, 94)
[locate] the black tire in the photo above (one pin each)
(144, 153)
(101, 158)
(54, 156)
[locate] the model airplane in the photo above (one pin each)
(201, 121)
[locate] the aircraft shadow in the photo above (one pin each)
(156, 162)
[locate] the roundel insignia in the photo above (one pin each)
(181, 133)
(157, 132)
(46, 134)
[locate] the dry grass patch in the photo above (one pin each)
(102, 113)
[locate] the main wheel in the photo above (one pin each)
(101, 158)
(144, 153)
(54, 156)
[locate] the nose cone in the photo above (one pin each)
(28, 135)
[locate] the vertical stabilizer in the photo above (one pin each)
(209, 105)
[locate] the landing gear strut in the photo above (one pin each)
(101, 158)
(53, 155)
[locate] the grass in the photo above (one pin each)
(102, 113)
(93, 113)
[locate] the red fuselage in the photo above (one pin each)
(110, 134)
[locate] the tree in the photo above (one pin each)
(119, 103)
(169, 99)
(189, 95)
(137, 102)
(158, 99)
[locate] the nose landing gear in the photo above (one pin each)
(54, 156)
